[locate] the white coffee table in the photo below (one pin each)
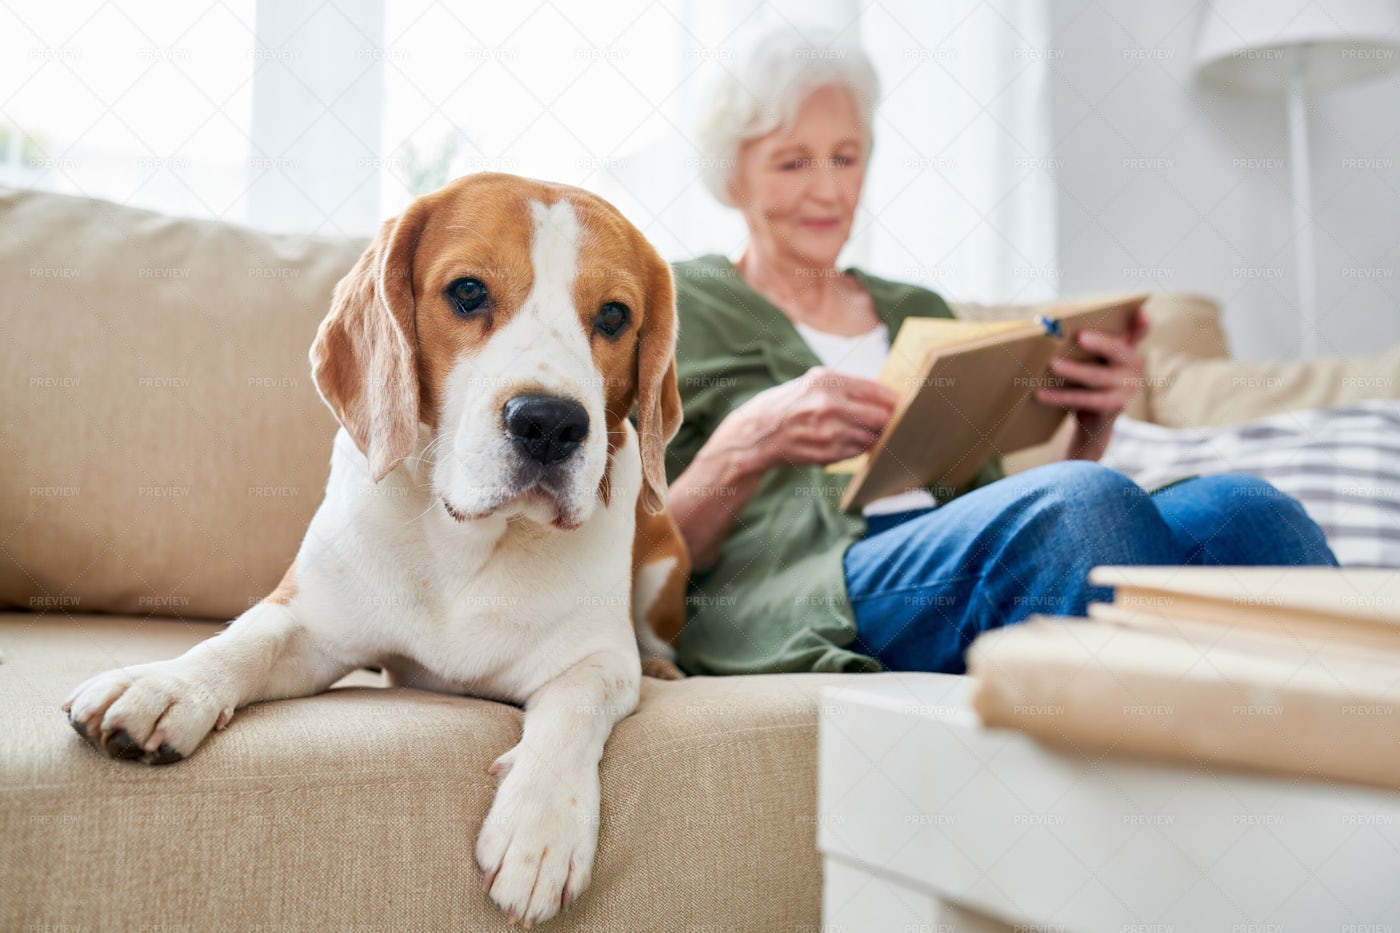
(929, 823)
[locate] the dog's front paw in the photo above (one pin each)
(536, 846)
(148, 713)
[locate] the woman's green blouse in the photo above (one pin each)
(775, 599)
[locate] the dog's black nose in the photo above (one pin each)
(545, 428)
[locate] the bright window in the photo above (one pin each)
(597, 97)
(150, 107)
(301, 115)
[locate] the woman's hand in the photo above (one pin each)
(1099, 390)
(820, 417)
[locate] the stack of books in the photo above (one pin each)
(1283, 670)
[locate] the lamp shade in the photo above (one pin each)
(1247, 43)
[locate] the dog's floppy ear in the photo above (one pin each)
(658, 398)
(365, 356)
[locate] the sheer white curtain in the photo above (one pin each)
(318, 103)
(147, 105)
(961, 190)
(326, 117)
(960, 194)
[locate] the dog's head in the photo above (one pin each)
(519, 321)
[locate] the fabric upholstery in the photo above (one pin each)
(322, 813)
(1188, 392)
(164, 444)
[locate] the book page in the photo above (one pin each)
(918, 338)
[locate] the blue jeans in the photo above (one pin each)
(924, 584)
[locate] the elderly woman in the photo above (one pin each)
(777, 355)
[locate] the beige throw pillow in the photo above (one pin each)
(164, 446)
(1186, 391)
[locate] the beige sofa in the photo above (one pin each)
(163, 451)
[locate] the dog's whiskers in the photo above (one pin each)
(432, 505)
(427, 455)
(426, 458)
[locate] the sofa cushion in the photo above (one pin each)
(147, 362)
(323, 812)
(1188, 392)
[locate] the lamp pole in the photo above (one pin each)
(1302, 202)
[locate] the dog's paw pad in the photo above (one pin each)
(165, 755)
(121, 745)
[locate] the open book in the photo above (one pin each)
(966, 394)
(1292, 670)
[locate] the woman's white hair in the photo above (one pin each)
(767, 87)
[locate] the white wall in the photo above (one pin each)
(1166, 183)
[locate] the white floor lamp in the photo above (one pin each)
(1266, 45)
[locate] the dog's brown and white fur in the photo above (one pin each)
(448, 549)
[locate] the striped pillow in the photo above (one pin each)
(1342, 464)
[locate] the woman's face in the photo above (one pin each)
(799, 185)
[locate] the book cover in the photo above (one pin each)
(966, 394)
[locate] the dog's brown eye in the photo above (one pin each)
(467, 296)
(612, 317)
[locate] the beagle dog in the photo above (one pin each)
(482, 358)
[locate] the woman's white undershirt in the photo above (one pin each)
(863, 355)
